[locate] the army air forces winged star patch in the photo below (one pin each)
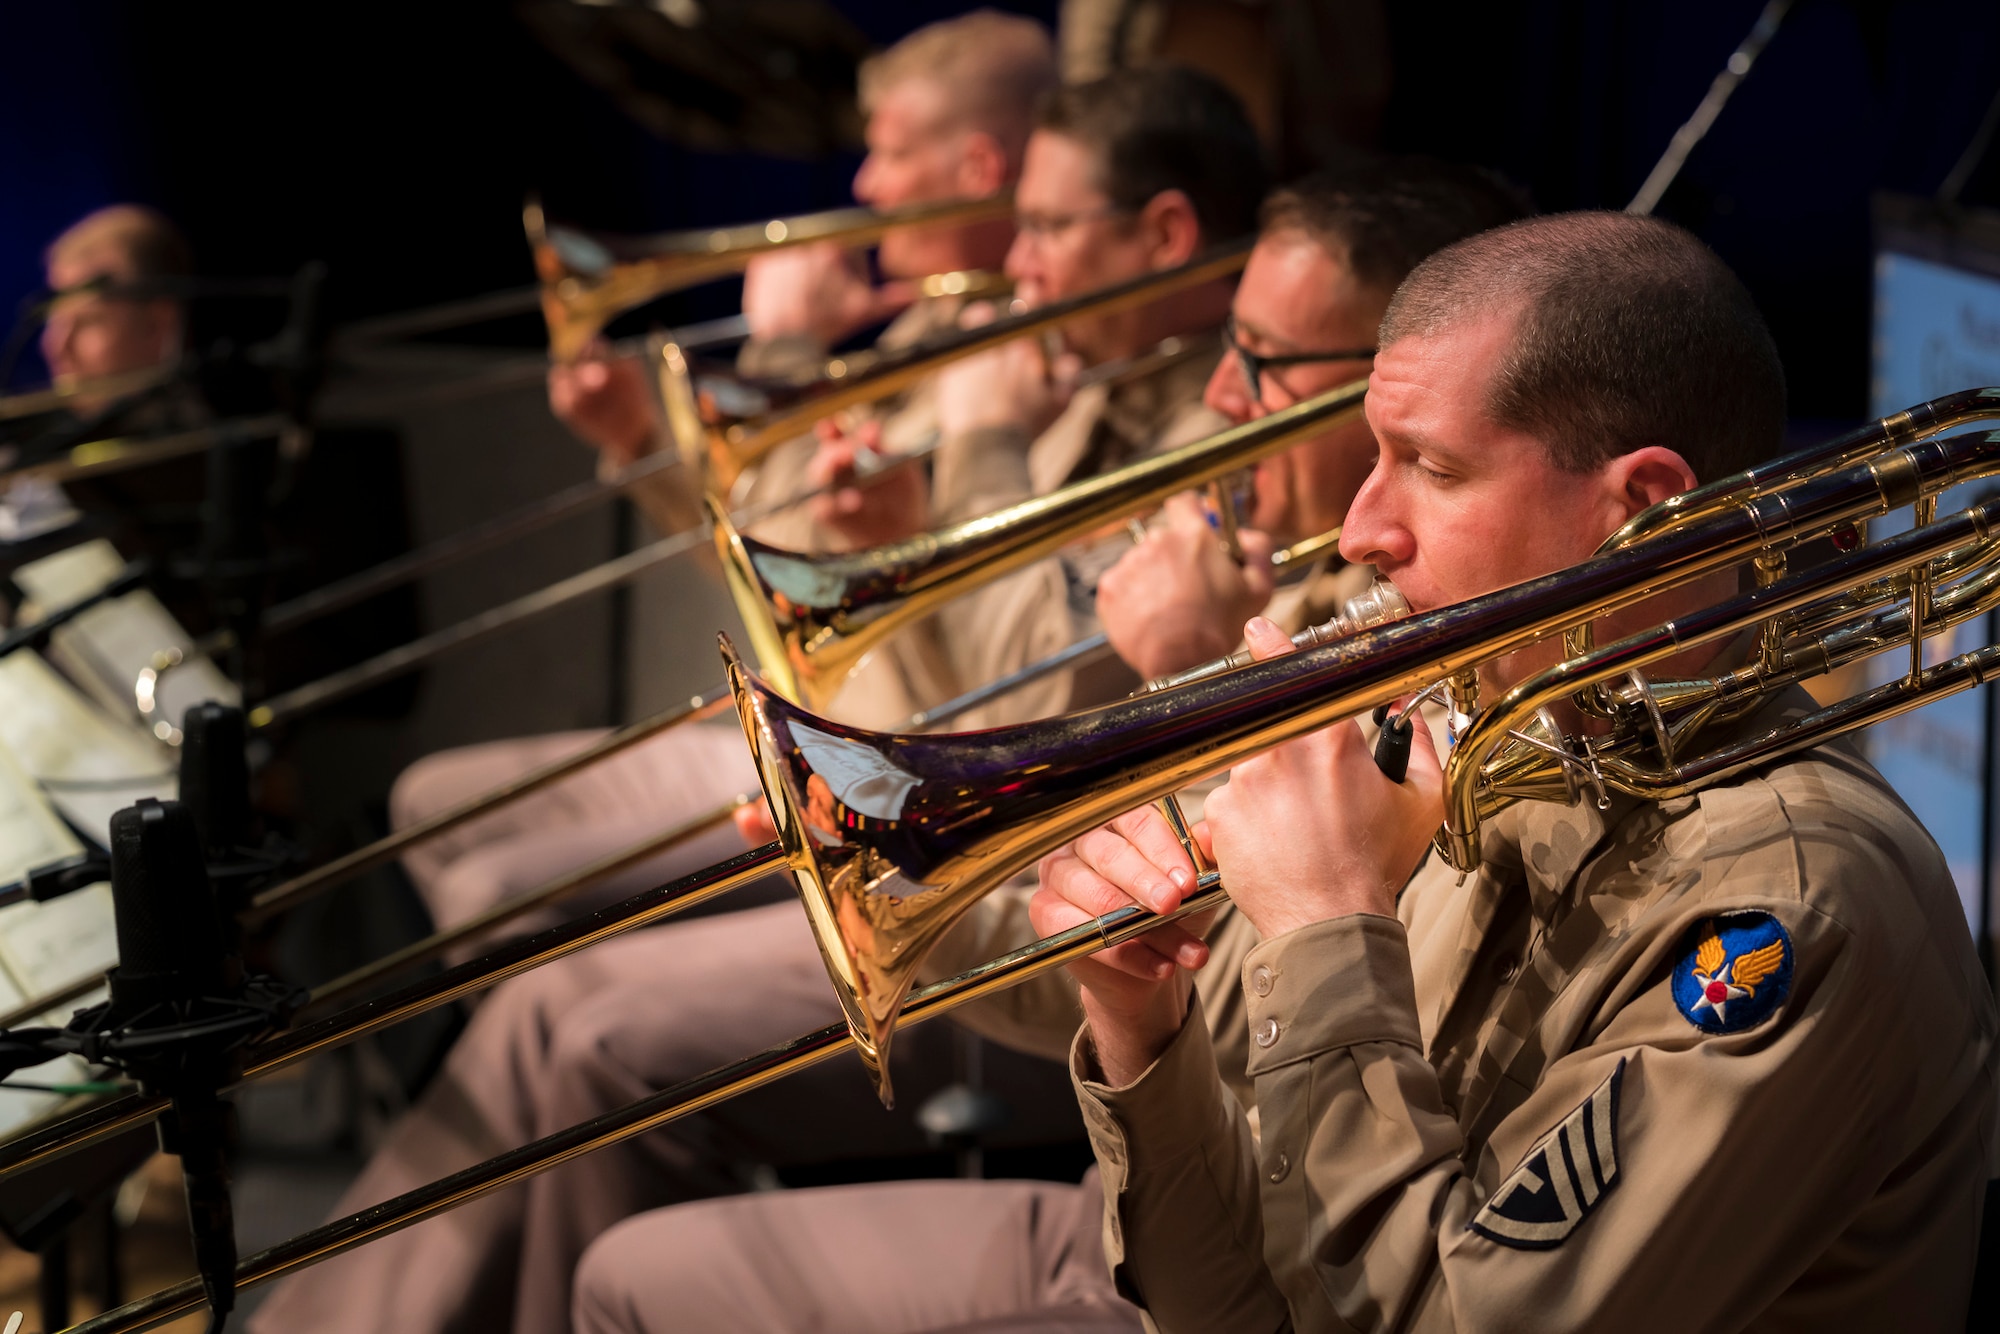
(1565, 1176)
(1734, 972)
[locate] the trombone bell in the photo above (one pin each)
(883, 868)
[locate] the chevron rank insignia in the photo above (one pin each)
(1565, 1176)
(1734, 972)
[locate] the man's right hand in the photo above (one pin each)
(884, 509)
(1177, 599)
(1134, 994)
(605, 401)
(820, 291)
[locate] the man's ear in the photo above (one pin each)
(983, 166)
(1172, 229)
(1645, 477)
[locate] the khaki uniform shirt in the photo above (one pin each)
(1032, 613)
(1526, 1102)
(1040, 1016)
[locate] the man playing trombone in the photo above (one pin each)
(1719, 1060)
(109, 320)
(1167, 168)
(950, 110)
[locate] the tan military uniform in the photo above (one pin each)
(587, 1034)
(1492, 1111)
(625, 799)
(1524, 1102)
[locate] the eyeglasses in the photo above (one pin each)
(1254, 364)
(1047, 226)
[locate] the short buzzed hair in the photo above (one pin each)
(1631, 333)
(139, 242)
(995, 68)
(1383, 218)
(1162, 127)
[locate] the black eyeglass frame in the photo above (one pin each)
(1254, 364)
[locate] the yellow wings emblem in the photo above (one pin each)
(1708, 952)
(1754, 967)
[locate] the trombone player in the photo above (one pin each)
(1722, 1060)
(1136, 173)
(950, 108)
(111, 313)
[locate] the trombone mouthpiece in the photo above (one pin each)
(1379, 604)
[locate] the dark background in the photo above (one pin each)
(397, 141)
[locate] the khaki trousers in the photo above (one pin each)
(917, 1257)
(611, 805)
(588, 1034)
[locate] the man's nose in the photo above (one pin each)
(1020, 262)
(867, 180)
(1372, 534)
(1229, 393)
(56, 334)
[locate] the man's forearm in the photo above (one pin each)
(1127, 1045)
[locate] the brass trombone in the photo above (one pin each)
(589, 279)
(721, 448)
(891, 838)
(841, 606)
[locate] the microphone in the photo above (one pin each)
(181, 1003)
(215, 777)
(174, 965)
(170, 942)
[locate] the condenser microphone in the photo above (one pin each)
(215, 777)
(174, 971)
(170, 942)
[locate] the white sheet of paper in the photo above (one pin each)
(30, 833)
(105, 648)
(22, 1107)
(45, 946)
(91, 765)
(70, 574)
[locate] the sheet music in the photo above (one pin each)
(104, 649)
(90, 765)
(69, 575)
(46, 946)
(30, 834)
(20, 1107)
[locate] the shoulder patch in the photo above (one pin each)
(1565, 1176)
(1733, 972)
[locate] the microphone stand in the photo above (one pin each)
(181, 1010)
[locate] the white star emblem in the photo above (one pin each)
(1717, 991)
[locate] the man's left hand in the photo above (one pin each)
(871, 513)
(1313, 830)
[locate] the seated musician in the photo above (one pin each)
(642, 1012)
(102, 322)
(1719, 1061)
(950, 108)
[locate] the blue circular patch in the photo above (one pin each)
(1734, 972)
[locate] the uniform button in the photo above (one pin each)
(1260, 980)
(1510, 967)
(1267, 1033)
(1280, 1169)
